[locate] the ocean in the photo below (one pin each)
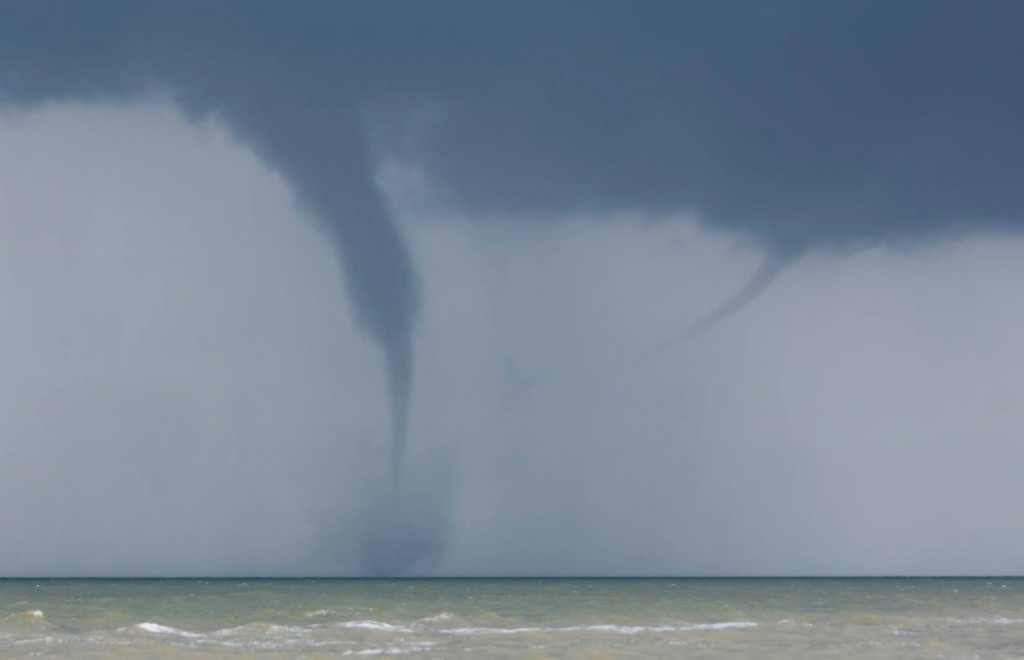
(666, 617)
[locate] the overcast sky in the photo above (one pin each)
(408, 290)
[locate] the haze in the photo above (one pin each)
(701, 290)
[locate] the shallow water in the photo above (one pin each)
(948, 617)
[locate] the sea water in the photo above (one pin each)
(814, 618)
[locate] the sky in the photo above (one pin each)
(538, 289)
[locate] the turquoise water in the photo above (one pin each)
(920, 617)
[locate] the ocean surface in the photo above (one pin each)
(700, 618)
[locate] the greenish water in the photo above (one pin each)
(920, 617)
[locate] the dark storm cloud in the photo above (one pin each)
(799, 124)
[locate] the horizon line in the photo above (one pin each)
(980, 576)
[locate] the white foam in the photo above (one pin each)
(48, 640)
(998, 621)
(442, 616)
(493, 631)
(27, 614)
(621, 630)
(602, 628)
(725, 625)
(262, 628)
(375, 625)
(160, 629)
(393, 650)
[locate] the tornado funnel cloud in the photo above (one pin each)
(770, 269)
(399, 363)
(332, 174)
